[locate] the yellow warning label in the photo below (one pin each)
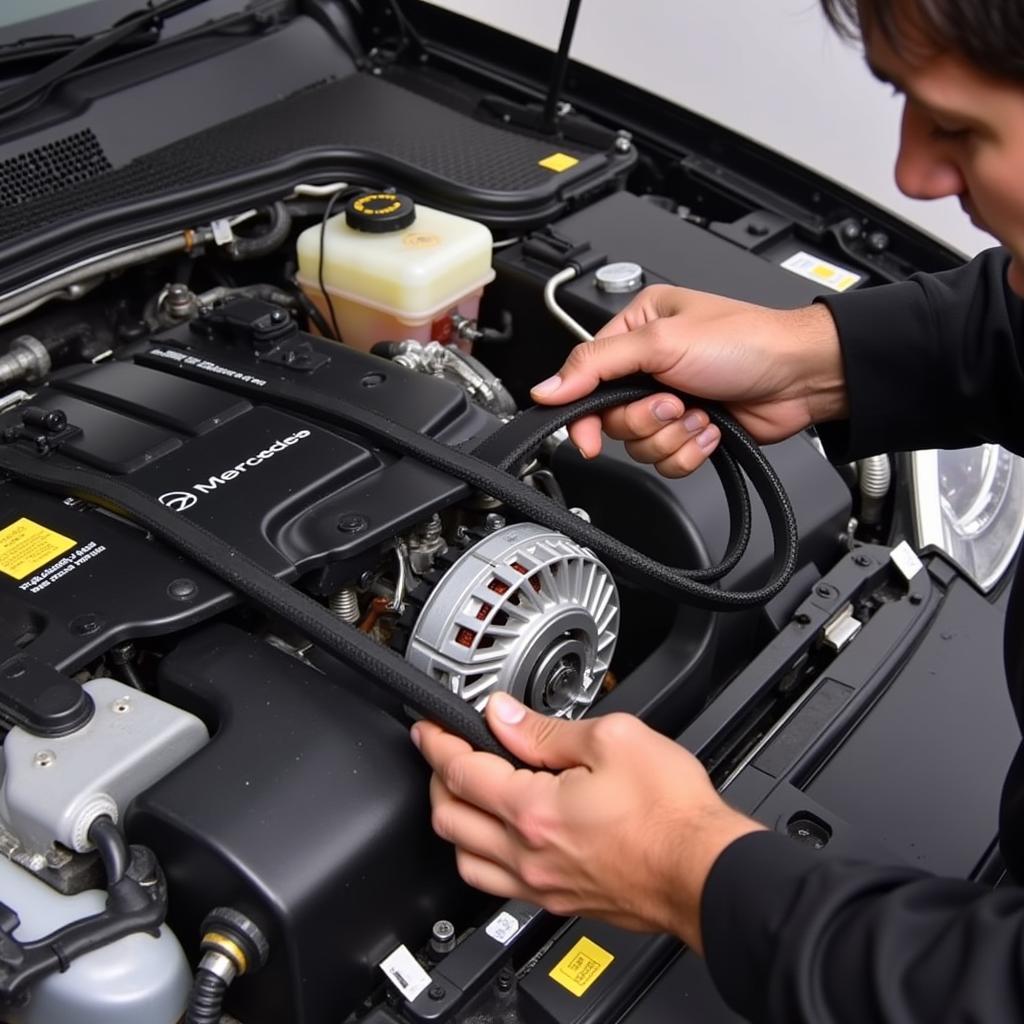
(26, 546)
(558, 162)
(581, 966)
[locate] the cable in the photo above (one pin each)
(348, 192)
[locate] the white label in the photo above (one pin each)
(905, 559)
(821, 271)
(405, 973)
(222, 233)
(503, 927)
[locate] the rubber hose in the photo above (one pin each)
(206, 998)
(113, 850)
(246, 248)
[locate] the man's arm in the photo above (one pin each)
(934, 362)
(793, 935)
(631, 831)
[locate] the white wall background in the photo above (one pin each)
(770, 69)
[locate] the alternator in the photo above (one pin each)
(525, 610)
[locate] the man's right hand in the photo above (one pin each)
(775, 371)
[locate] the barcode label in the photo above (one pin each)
(405, 973)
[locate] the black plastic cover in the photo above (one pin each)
(306, 812)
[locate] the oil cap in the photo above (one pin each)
(380, 212)
(619, 278)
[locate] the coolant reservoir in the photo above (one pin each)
(394, 271)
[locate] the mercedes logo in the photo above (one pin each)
(178, 501)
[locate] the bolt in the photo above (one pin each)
(878, 240)
(623, 143)
(44, 758)
(861, 560)
(85, 625)
(494, 522)
(442, 937)
(851, 230)
(824, 590)
(505, 979)
(182, 589)
(757, 230)
(581, 513)
(437, 992)
(802, 619)
(352, 522)
(278, 316)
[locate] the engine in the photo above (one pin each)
(268, 789)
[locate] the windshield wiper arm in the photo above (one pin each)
(37, 85)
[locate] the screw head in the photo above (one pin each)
(437, 992)
(85, 625)
(443, 930)
(373, 380)
(494, 522)
(182, 589)
(861, 560)
(505, 979)
(352, 522)
(824, 590)
(44, 758)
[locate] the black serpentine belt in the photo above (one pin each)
(509, 446)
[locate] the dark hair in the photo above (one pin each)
(988, 33)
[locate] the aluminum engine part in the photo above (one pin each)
(54, 788)
(525, 610)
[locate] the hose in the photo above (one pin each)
(206, 998)
(875, 476)
(245, 248)
(113, 851)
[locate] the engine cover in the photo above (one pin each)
(299, 497)
(307, 812)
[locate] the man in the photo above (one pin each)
(630, 829)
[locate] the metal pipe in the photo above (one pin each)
(561, 66)
(554, 283)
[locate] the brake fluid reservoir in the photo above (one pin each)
(394, 271)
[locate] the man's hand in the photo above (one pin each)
(776, 371)
(626, 831)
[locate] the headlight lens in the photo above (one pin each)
(970, 504)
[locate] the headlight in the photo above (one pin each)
(970, 504)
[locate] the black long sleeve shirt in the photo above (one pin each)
(791, 935)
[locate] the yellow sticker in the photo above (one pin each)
(581, 966)
(26, 546)
(558, 162)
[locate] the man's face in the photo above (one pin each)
(962, 135)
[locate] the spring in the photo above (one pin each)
(345, 604)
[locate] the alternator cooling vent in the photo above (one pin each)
(526, 610)
(51, 168)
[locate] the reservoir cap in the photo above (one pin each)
(379, 212)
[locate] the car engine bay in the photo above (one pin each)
(281, 378)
